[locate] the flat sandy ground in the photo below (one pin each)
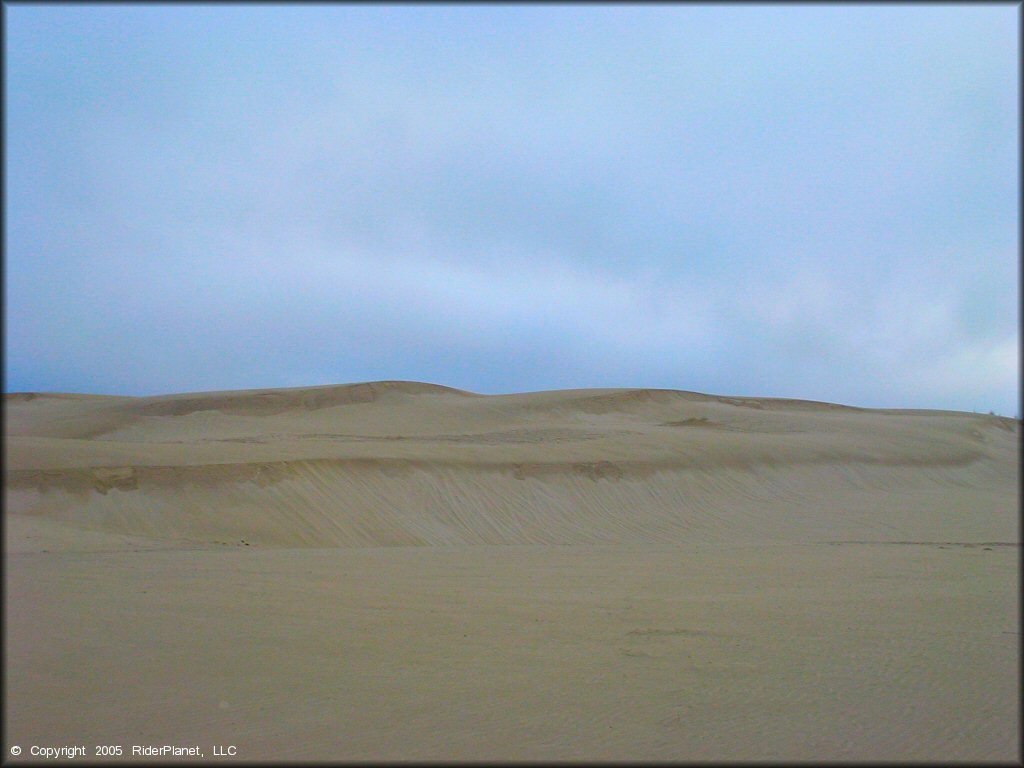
(401, 571)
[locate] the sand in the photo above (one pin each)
(397, 570)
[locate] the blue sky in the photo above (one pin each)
(770, 200)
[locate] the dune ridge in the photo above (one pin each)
(397, 463)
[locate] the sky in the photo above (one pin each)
(816, 202)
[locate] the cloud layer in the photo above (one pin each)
(794, 201)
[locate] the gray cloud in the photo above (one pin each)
(795, 201)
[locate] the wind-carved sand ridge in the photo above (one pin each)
(591, 574)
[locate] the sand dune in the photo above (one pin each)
(454, 500)
(417, 464)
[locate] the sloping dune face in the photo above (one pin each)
(406, 463)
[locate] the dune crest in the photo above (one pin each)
(274, 401)
(406, 463)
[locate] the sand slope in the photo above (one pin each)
(402, 463)
(396, 570)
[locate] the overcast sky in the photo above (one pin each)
(772, 200)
